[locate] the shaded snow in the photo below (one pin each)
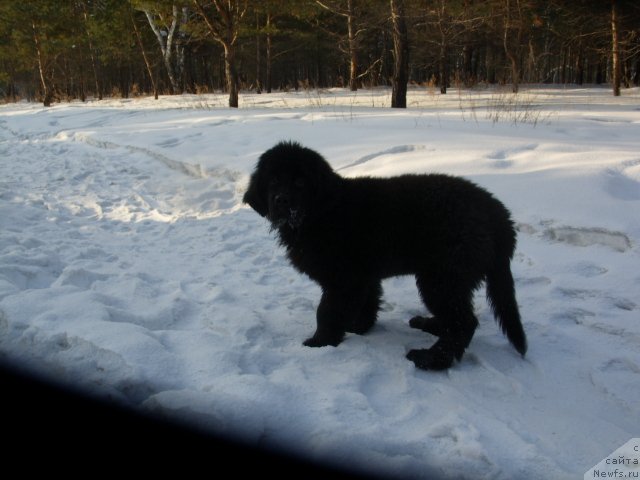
(129, 266)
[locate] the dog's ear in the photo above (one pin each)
(254, 197)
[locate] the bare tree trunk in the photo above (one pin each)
(579, 66)
(546, 54)
(230, 71)
(231, 74)
(224, 30)
(269, 52)
(401, 55)
(46, 91)
(563, 65)
(490, 63)
(467, 66)
(615, 50)
(353, 49)
(509, 50)
(181, 71)
(443, 71)
(351, 37)
(258, 56)
(468, 74)
(144, 56)
(442, 62)
(91, 52)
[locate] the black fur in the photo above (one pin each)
(349, 234)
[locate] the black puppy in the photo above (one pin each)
(349, 234)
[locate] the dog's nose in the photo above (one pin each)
(281, 200)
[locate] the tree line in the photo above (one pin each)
(56, 50)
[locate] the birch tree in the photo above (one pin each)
(616, 67)
(165, 22)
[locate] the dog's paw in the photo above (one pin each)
(316, 341)
(431, 359)
(428, 324)
(358, 329)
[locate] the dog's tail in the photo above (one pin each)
(502, 298)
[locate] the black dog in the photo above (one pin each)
(349, 234)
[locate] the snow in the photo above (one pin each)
(130, 267)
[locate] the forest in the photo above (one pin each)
(63, 50)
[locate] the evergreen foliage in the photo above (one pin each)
(54, 50)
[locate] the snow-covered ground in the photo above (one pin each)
(130, 267)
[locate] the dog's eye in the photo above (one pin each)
(273, 181)
(299, 182)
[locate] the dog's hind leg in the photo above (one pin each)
(430, 325)
(450, 299)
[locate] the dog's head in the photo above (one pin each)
(288, 184)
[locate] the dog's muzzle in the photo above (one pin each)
(295, 218)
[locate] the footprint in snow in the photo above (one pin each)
(586, 237)
(533, 281)
(501, 158)
(620, 303)
(169, 143)
(618, 378)
(623, 182)
(588, 269)
(79, 277)
(580, 237)
(573, 315)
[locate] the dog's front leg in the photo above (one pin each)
(336, 307)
